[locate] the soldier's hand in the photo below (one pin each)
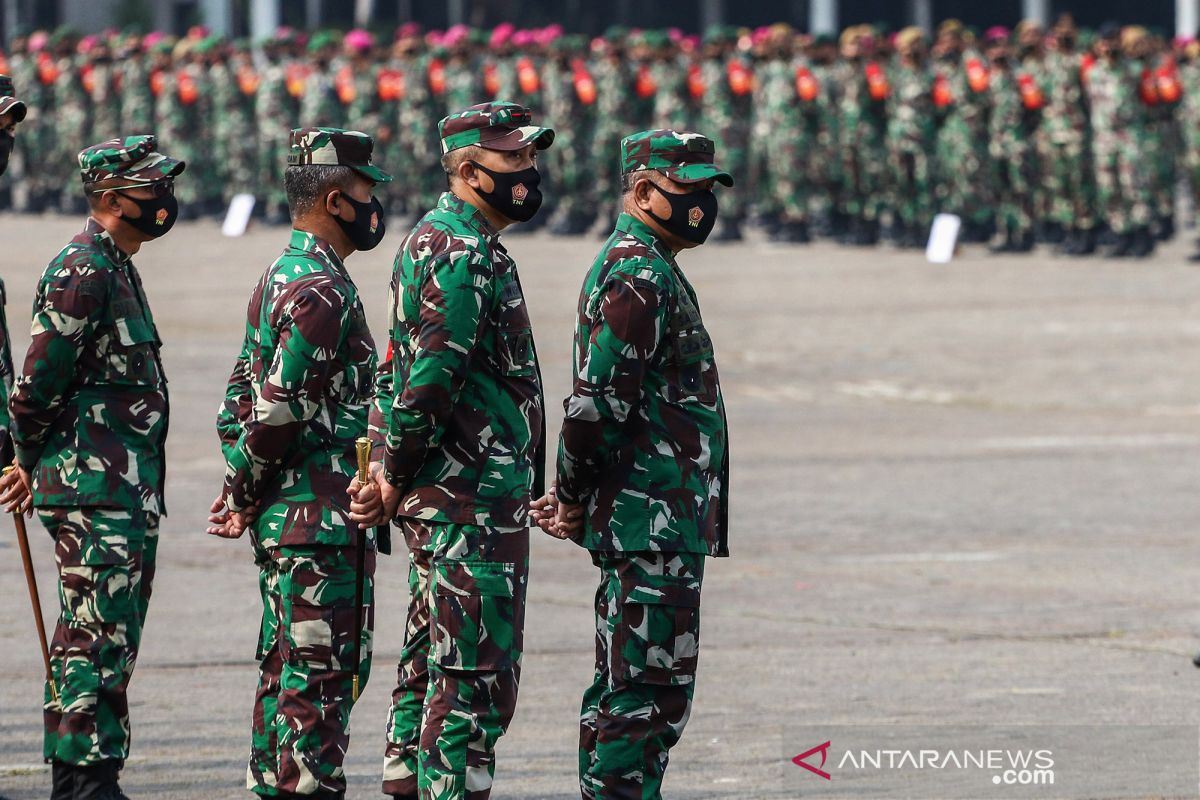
(568, 521)
(16, 493)
(390, 495)
(543, 510)
(222, 520)
(366, 504)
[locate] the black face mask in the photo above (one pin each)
(516, 194)
(158, 214)
(368, 227)
(693, 215)
(6, 146)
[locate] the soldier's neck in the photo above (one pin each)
(127, 240)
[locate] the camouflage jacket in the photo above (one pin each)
(1117, 112)
(459, 413)
(644, 441)
(6, 379)
(298, 397)
(89, 410)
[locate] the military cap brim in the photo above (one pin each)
(517, 138)
(694, 173)
(372, 172)
(14, 106)
(154, 167)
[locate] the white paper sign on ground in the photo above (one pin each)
(237, 218)
(943, 238)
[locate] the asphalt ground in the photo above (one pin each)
(961, 494)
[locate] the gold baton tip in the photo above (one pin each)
(362, 448)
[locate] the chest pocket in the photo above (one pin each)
(359, 382)
(132, 358)
(514, 346)
(689, 365)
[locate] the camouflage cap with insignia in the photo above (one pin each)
(334, 147)
(9, 102)
(496, 126)
(683, 157)
(132, 158)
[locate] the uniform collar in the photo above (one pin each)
(99, 236)
(453, 204)
(311, 243)
(632, 226)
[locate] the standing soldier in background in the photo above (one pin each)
(570, 95)
(1161, 92)
(297, 400)
(1065, 142)
(1119, 122)
(726, 112)
(416, 120)
(136, 96)
(99, 78)
(356, 83)
(1016, 113)
(235, 137)
(643, 467)
(961, 100)
(463, 73)
(786, 140)
(32, 145)
(1189, 118)
(667, 73)
(862, 132)
(274, 110)
(461, 361)
(177, 112)
(911, 135)
(71, 120)
(89, 423)
(822, 164)
(614, 112)
(319, 106)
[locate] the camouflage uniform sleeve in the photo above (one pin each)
(238, 405)
(310, 323)
(6, 381)
(628, 323)
(68, 305)
(452, 312)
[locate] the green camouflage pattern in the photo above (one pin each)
(499, 125)
(334, 147)
(681, 156)
(647, 650)
(644, 441)
(1120, 125)
(89, 409)
(1013, 152)
(6, 379)
(301, 718)
(297, 399)
(459, 412)
(8, 100)
(106, 562)
(131, 157)
(460, 665)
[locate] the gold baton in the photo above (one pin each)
(362, 449)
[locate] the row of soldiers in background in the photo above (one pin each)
(1067, 137)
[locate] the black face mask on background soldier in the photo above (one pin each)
(368, 228)
(6, 147)
(516, 194)
(693, 215)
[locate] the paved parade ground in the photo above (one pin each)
(961, 494)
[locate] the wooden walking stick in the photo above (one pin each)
(362, 449)
(31, 582)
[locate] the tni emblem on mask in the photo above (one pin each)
(161, 217)
(374, 221)
(694, 216)
(519, 194)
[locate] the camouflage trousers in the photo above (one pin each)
(647, 646)
(305, 653)
(461, 661)
(1161, 148)
(1067, 185)
(964, 176)
(1015, 176)
(1122, 185)
(272, 158)
(864, 170)
(106, 563)
(912, 186)
(787, 185)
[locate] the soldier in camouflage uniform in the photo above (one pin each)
(1119, 122)
(136, 97)
(1189, 118)
(71, 121)
(614, 111)
(1065, 142)
(12, 113)
(235, 136)
(99, 77)
(862, 128)
(822, 165)
(785, 141)
(1016, 114)
(643, 467)
(570, 95)
(911, 134)
(297, 400)
(320, 105)
(462, 361)
(274, 110)
(89, 423)
(725, 113)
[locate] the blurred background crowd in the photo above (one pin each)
(1072, 137)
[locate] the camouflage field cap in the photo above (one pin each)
(132, 158)
(682, 157)
(334, 147)
(8, 102)
(496, 126)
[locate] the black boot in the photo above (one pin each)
(1166, 228)
(1087, 242)
(99, 782)
(1053, 233)
(1009, 244)
(1124, 244)
(62, 781)
(1024, 242)
(1143, 243)
(870, 232)
(1070, 245)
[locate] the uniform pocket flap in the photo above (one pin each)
(134, 330)
(667, 591)
(481, 578)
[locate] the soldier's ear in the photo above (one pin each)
(641, 193)
(331, 202)
(111, 203)
(468, 174)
